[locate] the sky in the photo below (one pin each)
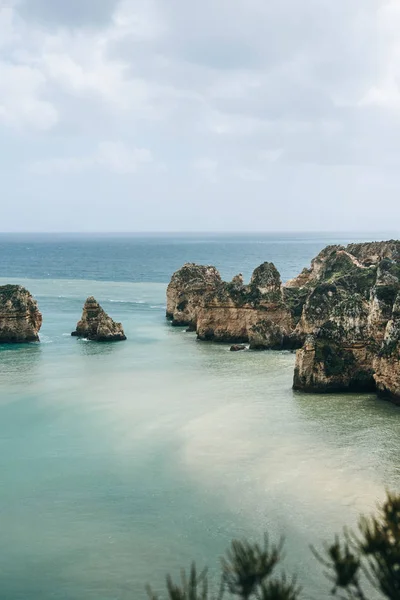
(180, 115)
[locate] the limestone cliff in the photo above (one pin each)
(186, 290)
(254, 313)
(344, 310)
(346, 316)
(387, 363)
(96, 325)
(20, 319)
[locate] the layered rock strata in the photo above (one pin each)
(96, 325)
(387, 363)
(20, 318)
(186, 291)
(346, 316)
(254, 313)
(343, 311)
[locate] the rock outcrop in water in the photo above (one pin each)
(20, 319)
(346, 318)
(255, 313)
(344, 313)
(96, 325)
(232, 312)
(186, 290)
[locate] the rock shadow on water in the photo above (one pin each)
(358, 405)
(342, 417)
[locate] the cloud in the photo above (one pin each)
(72, 13)
(7, 33)
(23, 86)
(97, 78)
(384, 91)
(139, 20)
(112, 156)
(206, 167)
(21, 103)
(234, 93)
(250, 175)
(271, 156)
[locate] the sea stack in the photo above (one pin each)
(20, 319)
(96, 325)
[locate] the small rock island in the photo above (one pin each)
(20, 318)
(96, 325)
(342, 315)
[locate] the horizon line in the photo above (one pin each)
(203, 232)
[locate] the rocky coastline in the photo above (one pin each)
(342, 315)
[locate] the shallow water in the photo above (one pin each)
(121, 462)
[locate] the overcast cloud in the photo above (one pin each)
(144, 115)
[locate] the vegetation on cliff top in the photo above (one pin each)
(247, 295)
(16, 294)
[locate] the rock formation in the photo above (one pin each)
(387, 363)
(20, 319)
(346, 318)
(231, 311)
(96, 325)
(186, 290)
(344, 313)
(254, 313)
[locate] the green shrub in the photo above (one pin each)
(248, 570)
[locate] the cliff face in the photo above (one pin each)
(96, 325)
(20, 319)
(387, 363)
(345, 319)
(344, 311)
(254, 313)
(186, 291)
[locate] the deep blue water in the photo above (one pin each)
(121, 462)
(153, 258)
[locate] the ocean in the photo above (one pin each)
(122, 462)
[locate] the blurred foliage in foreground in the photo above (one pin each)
(368, 558)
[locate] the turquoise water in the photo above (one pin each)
(121, 462)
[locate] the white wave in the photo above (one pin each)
(68, 296)
(127, 301)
